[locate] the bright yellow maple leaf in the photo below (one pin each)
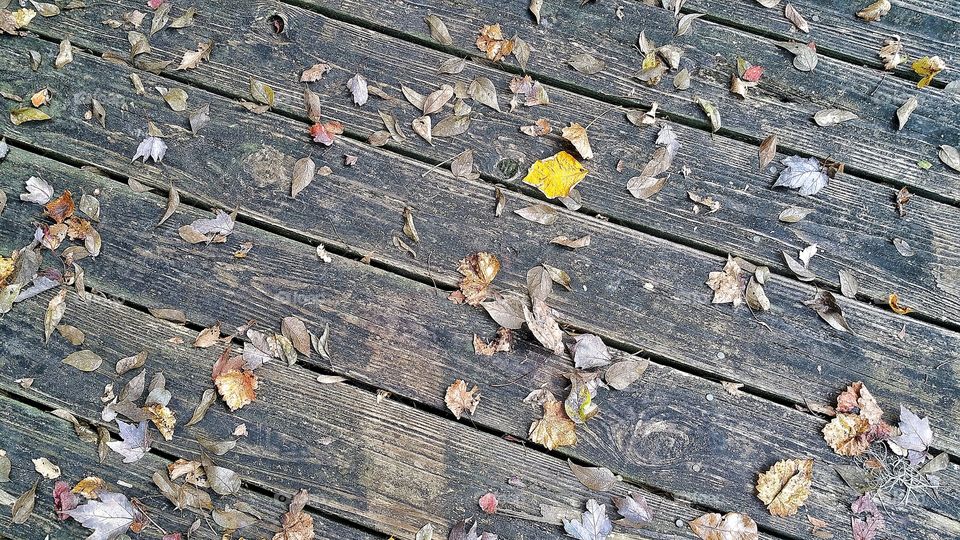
(928, 67)
(556, 175)
(785, 487)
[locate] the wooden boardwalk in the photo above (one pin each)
(728, 391)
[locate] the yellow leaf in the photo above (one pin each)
(928, 67)
(89, 487)
(555, 429)
(895, 305)
(556, 175)
(22, 17)
(785, 487)
(6, 269)
(27, 114)
(847, 434)
(577, 135)
(163, 418)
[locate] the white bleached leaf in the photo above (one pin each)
(805, 174)
(592, 525)
(151, 148)
(38, 191)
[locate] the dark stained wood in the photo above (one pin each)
(405, 337)
(784, 103)
(28, 433)
(387, 465)
(726, 169)
(359, 210)
(928, 28)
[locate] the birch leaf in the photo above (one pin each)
(84, 360)
(483, 90)
(794, 214)
(586, 64)
(304, 171)
(804, 55)
(685, 24)
(768, 150)
(261, 92)
(594, 478)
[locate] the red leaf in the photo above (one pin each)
(752, 73)
(488, 503)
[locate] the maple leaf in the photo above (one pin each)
(460, 400)
(478, 270)
(488, 503)
(592, 525)
(555, 429)
(865, 529)
(915, 435)
(491, 42)
(63, 499)
(61, 208)
(109, 517)
(785, 487)
(726, 284)
(296, 524)
(732, 526)
(556, 175)
(38, 191)
(806, 174)
(325, 132)
(135, 441)
(502, 343)
(163, 418)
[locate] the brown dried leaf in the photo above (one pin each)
(304, 171)
(874, 11)
(732, 526)
(785, 486)
(460, 400)
(491, 41)
(594, 478)
(847, 434)
(438, 30)
(478, 270)
(726, 284)
(538, 213)
(768, 150)
(794, 16)
(554, 429)
(577, 135)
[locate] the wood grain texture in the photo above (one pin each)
(28, 433)
(854, 220)
(407, 338)
(927, 28)
(359, 209)
(386, 465)
(783, 104)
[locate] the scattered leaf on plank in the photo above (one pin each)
(732, 526)
(491, 41)
(192, 59)
(592, 525)
(832, 117)
(478, 270)
(460, 400)
(808, 175)
(557, 175)
(594, 478)
(634, 509)
(726, 284)
(785, 487)
(804, 54)
(438, 30)
(875, 11)
(928, 67)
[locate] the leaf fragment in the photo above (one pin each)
(460, 400)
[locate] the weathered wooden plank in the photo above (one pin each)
(784, 103)
(925, 27)
(406, 338)
(28, 433)
(387, 465)
(720, 167)
(359, 209)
